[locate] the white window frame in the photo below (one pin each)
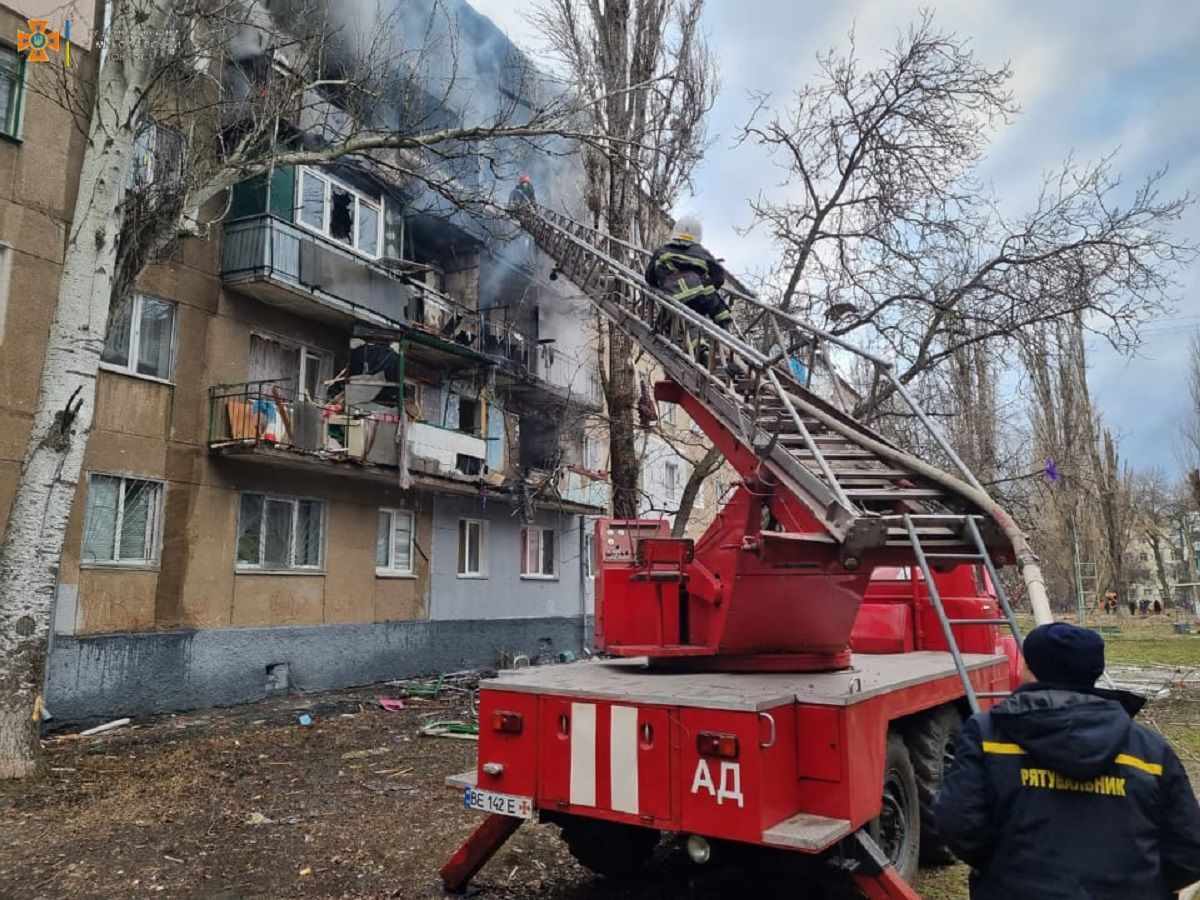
(670, 480)
(670, 412)
(327, 205)
(306, 355)
(464, 531)
(252, 568)
(391, 570)
(154, 525)
(135, 340)
(528, 532)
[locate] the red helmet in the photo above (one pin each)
(525, 179)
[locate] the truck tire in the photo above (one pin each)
(611, 849)
(931, 740)
(897, 829)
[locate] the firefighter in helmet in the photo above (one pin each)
(522, 194)
(685, 270)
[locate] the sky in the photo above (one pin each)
(1090, 78)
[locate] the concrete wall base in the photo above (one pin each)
(142, 673)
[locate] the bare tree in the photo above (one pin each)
(645, 68)
(894, 237)
(230, 94)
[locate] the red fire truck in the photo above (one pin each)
(794, 678)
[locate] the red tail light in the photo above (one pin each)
(507, 722)
(709, 743)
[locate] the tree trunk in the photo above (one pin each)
(37, 520)
(709, 463)
(1160, 569)
(624, 464)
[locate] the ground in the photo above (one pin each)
(250, 803)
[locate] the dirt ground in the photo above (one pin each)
(249, 803)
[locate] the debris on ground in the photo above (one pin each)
(390, 704)
(107, 726)
(467, 731)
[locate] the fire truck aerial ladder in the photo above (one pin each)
(735, 710)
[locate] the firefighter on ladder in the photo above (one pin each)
(685, 270)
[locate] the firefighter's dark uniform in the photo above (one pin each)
(1056, 794)
(690, 274)
(522, 195)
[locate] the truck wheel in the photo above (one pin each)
(897, 829)
(611, 849)
(931, 740)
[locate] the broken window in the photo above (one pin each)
(293, 367)
(394, 542)
(122, 521)
(472, 548)
(537, 552)
(339, 211)
(277, 533)
(141, 339)
(468, 414)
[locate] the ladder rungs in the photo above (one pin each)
(993, 693)
(897, 494)
(959, 556)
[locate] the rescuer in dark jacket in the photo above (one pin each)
(522, 194)
(683, 268)
(1056, 794)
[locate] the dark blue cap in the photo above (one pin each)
(1065, 654)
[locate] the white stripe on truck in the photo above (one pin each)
(583, 754)
(623, 742)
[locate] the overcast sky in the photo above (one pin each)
(1090, 77)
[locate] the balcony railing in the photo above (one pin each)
(269, 415)
(286, 259)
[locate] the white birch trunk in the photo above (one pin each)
(34, 533)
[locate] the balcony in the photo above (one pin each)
(267, 419)
(585, 488)
(288, 266)
(538, 370)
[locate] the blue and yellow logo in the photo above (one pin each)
(40, 39)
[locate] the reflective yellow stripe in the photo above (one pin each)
(1125, 759)
(1006, 749)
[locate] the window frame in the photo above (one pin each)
(18, 113)
(292, 568)
(391, 570)
(670, 480)
(360, 198)
(154, 525)
(465, 524)
(135, 338)
(527, 531)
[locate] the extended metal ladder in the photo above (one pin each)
(817, 450)
(980, 556)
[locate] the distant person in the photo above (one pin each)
(692, 276)
(1158, 607)
(1144, 606)
(1057, 794)
(522, 194)
(1133, 607)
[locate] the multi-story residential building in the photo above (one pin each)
(337, 440)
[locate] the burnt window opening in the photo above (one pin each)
(468, 415)
(468, 465)
(341, 215)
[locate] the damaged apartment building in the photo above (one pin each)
(338, 439)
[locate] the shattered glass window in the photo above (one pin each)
(341, 214)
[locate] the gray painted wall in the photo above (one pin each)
(106, 676)
(503, 593)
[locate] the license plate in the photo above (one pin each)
(501, 804)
